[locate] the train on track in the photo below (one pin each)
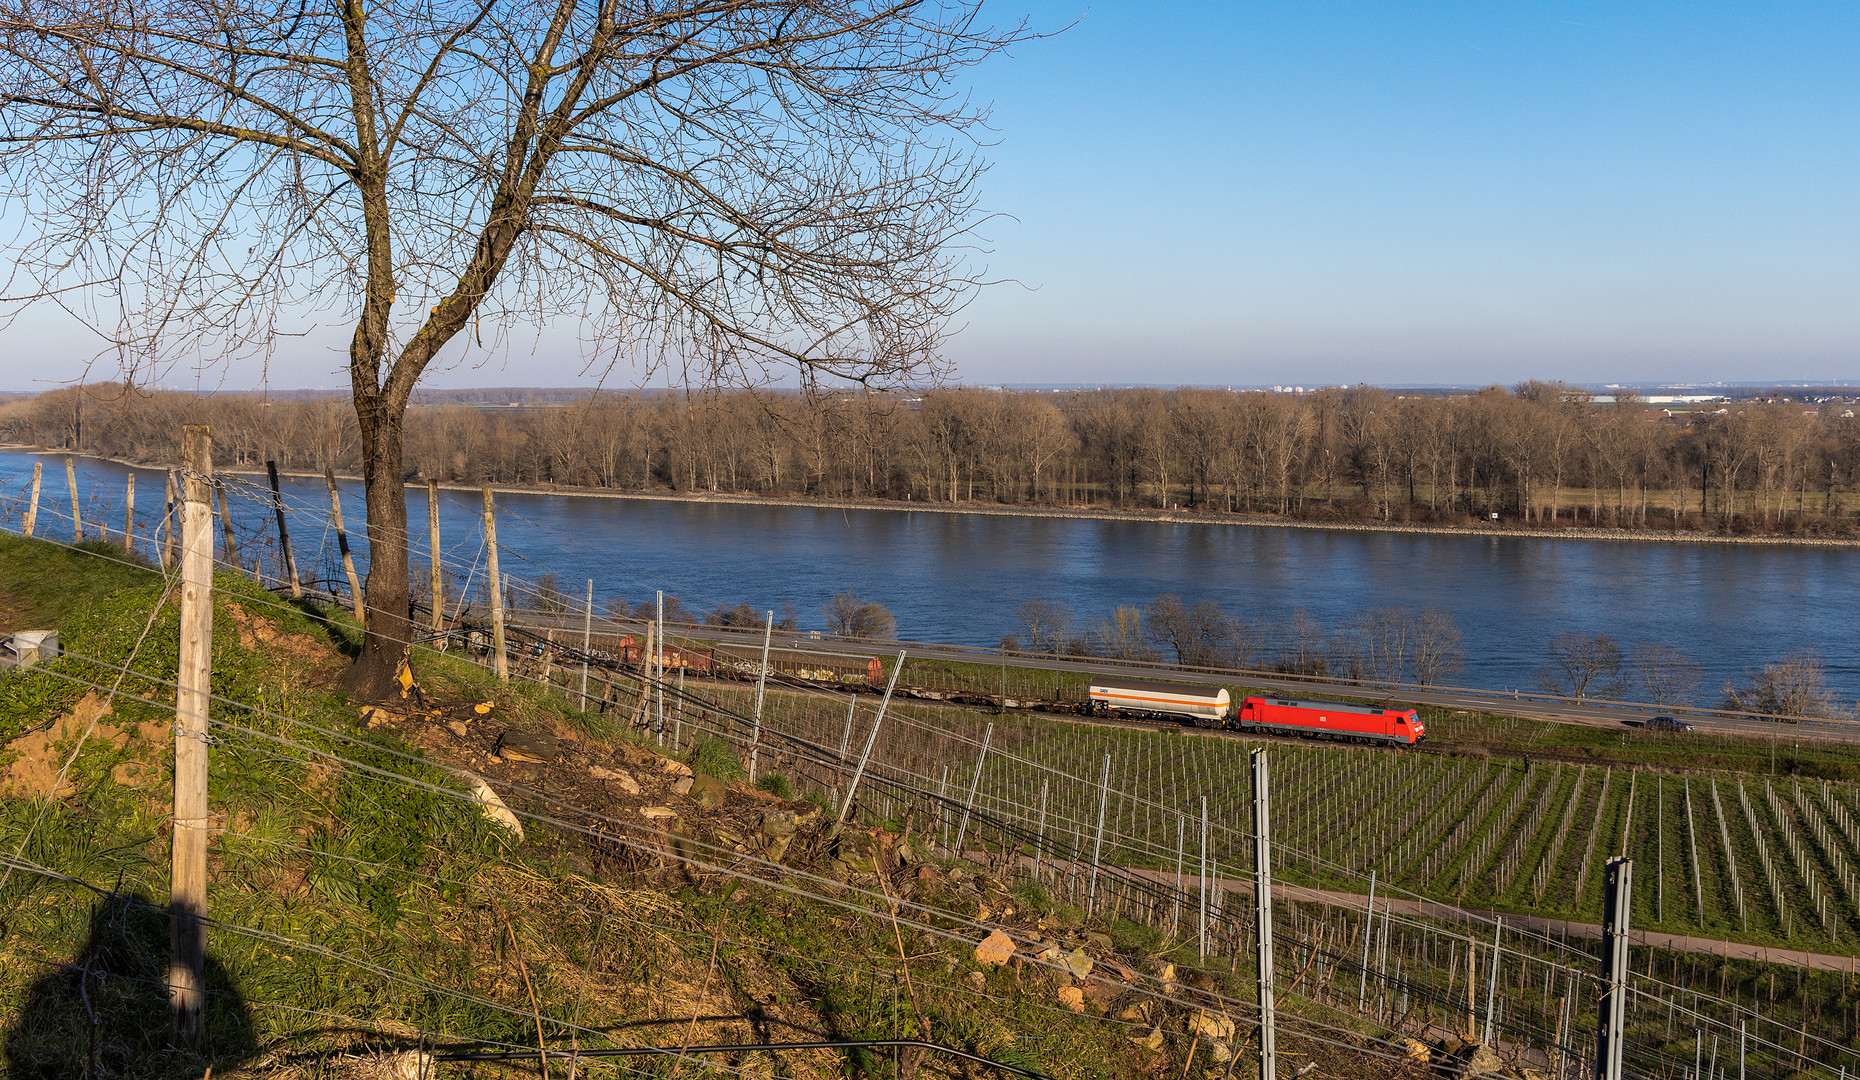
(1212, 707)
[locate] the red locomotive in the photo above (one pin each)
(1330, 720)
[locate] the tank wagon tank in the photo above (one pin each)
(1205, 706)
(1337, 720)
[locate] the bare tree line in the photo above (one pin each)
(1538, 453)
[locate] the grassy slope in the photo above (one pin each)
(371, 906)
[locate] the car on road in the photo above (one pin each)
(1668, 724)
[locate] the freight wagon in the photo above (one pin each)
(746, 660)
(1330, 720)
(1206, 706)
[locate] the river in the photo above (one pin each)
(953, 577)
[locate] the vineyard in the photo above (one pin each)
(1768, 860)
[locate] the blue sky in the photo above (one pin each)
(1238, 193)
(1266, 193)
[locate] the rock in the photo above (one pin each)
(1072, 998)
(1151, 1042)
(708, 791)
(1052, 954)
(683, 786)
(1103, 994)
(1210, 1025)
(492, 806)
(778, 823)
(675, 767)
(731, 840)
(995, 950)
(534, 746)
(457, 727)
(906, 855)
(1415, 1049)
(976, 980)
(1134, 1012)
(1166, 973)
(777, 849)
(1101, 942)
(1219, 1052)
(927, 873)
(658, 813)
(1078, 963)
(620, 777)
(374, 715)
(1475, 1059)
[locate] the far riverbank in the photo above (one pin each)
(1081, 513)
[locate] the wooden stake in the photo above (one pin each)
(77, 522)
(232, 549)
(170, 522)
(32, 508)
(188, 879)
(284, 533)
(496, 586)
(342, 545)
(129, 515)
(432, 530)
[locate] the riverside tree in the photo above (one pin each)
(723, 187)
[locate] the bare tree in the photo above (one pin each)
(1048, 624)
(849, 616)
(735, 185)
(1582, 666)
(1664, 674)
(1795, 686)
(1120, 636)
(1437, 652)
(1301, 645)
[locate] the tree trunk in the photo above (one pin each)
(388, 639)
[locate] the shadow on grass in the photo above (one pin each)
(104, 1013)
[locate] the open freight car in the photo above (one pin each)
(1205, 706)
(1330, 720)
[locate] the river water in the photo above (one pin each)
(959, 577)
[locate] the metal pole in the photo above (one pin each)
(1097, 845)
(852, 703)
(432, 546)
(587, 640)
(342, 545)
(762, 682)
(1611, 1023)
(1201, 936)
(77, 523)
(658, 689)
(975, 783)
(496, 586)
(32, 507)
(188, 872)
(1491, 984)
(1369, 924)
(1262, 911)
(1181, 886)
(852, 789)
(1039, 847)
(1740, 1050)
(284, 532)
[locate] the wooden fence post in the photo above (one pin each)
(432, 530)
(342, 545)
(170, 525)
(284, 532)
(187, 901)
(77, 521)
(129, 515)
(496, 586)
(226, 529)
(32, 507)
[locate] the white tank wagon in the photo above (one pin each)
(1206, 706)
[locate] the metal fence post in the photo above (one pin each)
(1097, 845)
(1491, 985)
(852, 789)
(1369, 924)
(762, 682)
(1262, 911)
(587, 639)
(1201, 936)
(975, 782)
(289, 568)
(1611, 1024)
